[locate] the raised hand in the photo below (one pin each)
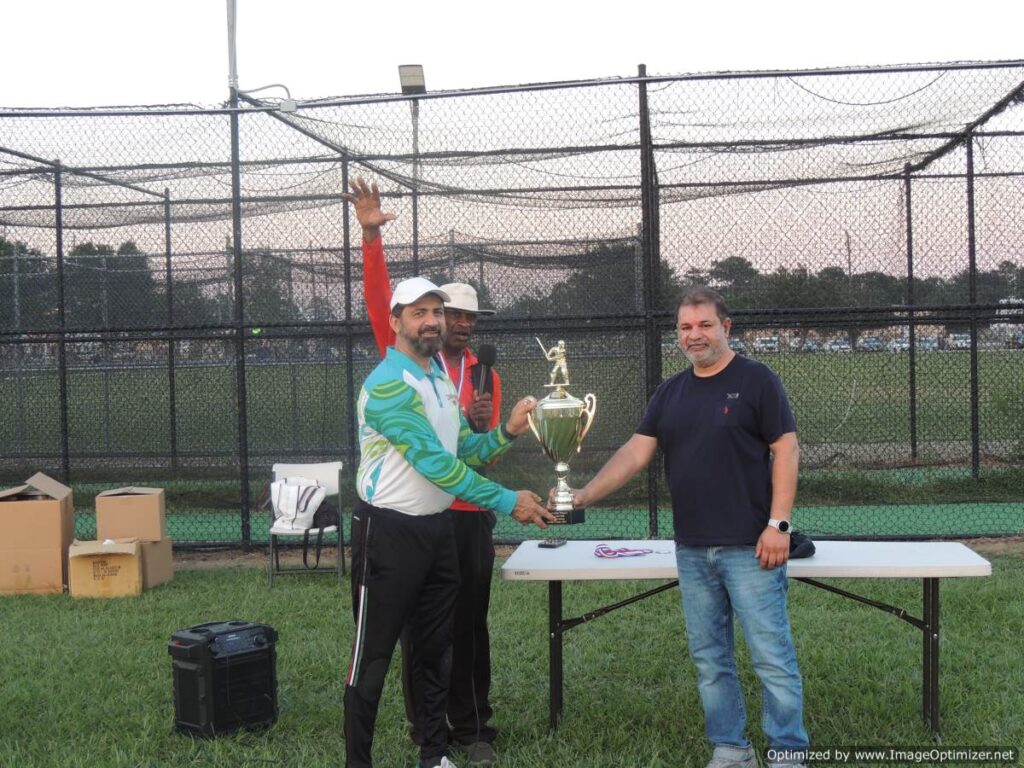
(366, 199)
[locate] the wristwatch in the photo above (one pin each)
(782, 526)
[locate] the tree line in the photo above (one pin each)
(125, 288)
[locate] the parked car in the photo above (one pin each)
(958, 341)
(899, 345)
(766, 344)
(838, 345)
(869, 344)
(928, 343)
(810, 345)
(737, 346)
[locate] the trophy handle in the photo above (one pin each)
(590, 409)
(533, 428)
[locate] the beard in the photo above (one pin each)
(426, 346)
(705, 357)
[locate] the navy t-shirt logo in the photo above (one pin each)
(729, 396)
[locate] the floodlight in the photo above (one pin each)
(411, 77)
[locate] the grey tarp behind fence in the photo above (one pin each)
(182, 298)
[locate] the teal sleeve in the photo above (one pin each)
(395, 410)
(479, 449)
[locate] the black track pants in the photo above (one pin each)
(405, 571)
(469, 708)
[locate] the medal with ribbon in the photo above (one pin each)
(603, 550)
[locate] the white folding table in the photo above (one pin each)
(929, 561)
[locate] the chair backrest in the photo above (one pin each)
(328, 474)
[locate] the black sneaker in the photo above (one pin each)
(480, 753)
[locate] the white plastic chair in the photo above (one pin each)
(328, 474)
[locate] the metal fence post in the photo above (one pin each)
(415, 105)
(62, 360)
(239, 321)
(972, 299)
(648, 276)
(20, 427)
(451, 255)
(346, 244)
(911, 325)
(108, 358)
(172, 406)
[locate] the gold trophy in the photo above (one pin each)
(560, 422)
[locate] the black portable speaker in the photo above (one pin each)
(225, 677)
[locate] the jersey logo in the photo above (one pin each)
(732, 395)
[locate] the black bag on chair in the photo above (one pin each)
(325, 516)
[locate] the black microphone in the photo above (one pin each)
(486, 356)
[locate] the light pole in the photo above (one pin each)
(412, 81)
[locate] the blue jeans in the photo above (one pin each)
(714, 582)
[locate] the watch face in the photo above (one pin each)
(784, 526)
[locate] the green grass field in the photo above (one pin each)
(839, 399)
(857, 476)
(87, 684)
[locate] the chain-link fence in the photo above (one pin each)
(183, 301)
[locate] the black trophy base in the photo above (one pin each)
(570, 517)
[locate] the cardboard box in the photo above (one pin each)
(157, 563)
(105, 568)
(37, 523)
(131, 513)
(40, 571)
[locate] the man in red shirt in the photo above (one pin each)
(469, 707)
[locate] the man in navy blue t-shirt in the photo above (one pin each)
(731, 459)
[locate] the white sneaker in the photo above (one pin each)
(733, 757)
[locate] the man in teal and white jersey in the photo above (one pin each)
(417, 456)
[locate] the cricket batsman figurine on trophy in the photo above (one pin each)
(560, 422)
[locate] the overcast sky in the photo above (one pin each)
(115, 52)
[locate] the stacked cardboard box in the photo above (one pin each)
(37, 522)
(105, 568)
(138, 513)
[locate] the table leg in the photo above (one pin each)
(555, 652)
(930, 703)
(929, 628)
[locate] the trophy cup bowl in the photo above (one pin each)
(560, 422)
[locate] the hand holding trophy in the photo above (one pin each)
(560, 422)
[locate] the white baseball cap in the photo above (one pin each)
(463, 297)
(412, 290)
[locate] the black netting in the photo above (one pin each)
(160, 327)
